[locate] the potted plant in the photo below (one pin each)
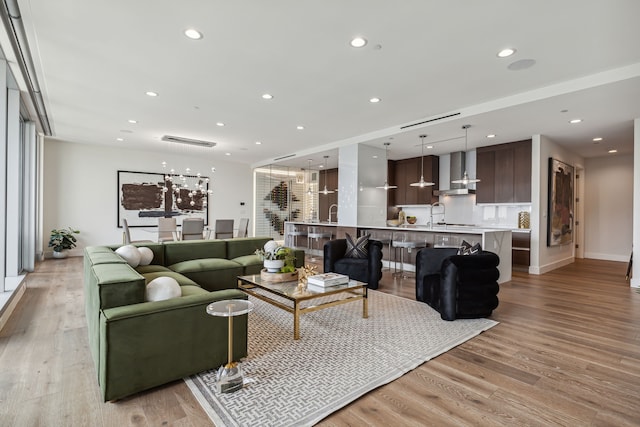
(61, 240)
(276, 258)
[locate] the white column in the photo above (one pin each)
(3, 171)
(635, 279)
(13, 168)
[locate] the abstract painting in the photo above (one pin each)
(143, 197)
(561, 208)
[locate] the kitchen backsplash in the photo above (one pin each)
(463, 210)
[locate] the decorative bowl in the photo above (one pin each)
(411, 219)
(393, 222)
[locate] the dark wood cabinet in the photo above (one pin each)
(504, 172)
(520, 250)
(330, 178)
(408, 171)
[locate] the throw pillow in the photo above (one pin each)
(129, 253)
(358, 248)
(467, 249)
(162, 288)
(146, 255)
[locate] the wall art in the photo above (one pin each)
(561, 203)
(143, 197)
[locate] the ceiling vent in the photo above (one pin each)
(188, 141)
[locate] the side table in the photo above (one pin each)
(229, 376)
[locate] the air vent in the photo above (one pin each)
(188, 141)
(284, 157)
(435, 119)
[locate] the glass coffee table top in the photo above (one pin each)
(291, 290)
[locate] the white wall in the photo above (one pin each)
(608, 204)
(544, 258)
(80, 188)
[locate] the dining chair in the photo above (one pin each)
(243, 227)
(224, 229)
(127, 234)
(167, 229)
(192, 229)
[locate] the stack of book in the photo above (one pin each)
(328, 279)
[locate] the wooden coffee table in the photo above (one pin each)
(275, 292)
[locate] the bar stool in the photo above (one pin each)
(316, 233)
(401, 241)
(386, 238)
(294, 234)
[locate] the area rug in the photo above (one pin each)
(340, 356)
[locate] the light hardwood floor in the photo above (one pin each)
(566, 352)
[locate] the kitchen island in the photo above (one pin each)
(496, 240)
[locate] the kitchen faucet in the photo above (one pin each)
(431, 213)
(331, 212)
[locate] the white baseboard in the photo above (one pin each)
(551, 266)
(607, 257)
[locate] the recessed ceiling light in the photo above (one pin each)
(597, 139)
(300, 127)
(267, 96)
(220, 124)
(132, 121)
(574, 121)
(258, 143)
(358, 42)
(613, 151)
(227, 154)
(151, 93)
(491, 135)
(374, 100)
(506, 52)
(429, 146)
(375, 157)
(193, 34)
(120, 139)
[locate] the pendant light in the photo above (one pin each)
(465, 177)
(325, 191)
(422, 183)
(386, 185)
(309, 192)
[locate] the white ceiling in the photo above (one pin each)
(424, 58)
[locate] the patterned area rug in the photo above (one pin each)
(340, 356)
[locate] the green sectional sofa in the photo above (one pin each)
(137, 345)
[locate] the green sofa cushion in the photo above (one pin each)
(181, 279)
(176, 252)
(144, 269)
(244, 246)
(212, 274)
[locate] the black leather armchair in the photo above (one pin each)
(367, 270)
(457, 286)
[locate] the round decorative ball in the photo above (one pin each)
(271, 246)
(162, 288)
(130, 254)
(146, 255)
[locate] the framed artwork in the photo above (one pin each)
(561, 207)
(143, 197)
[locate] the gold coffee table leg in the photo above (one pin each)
(296, 321)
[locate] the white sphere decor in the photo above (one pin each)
(270, 246)
(146, 255)
(129, 253)
(162, 288)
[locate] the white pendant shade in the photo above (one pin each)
(386, 185)
(422, 183)
(325, 191)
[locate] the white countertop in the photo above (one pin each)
(409, 227)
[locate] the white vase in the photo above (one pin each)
(273, 265)
(60, 255)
